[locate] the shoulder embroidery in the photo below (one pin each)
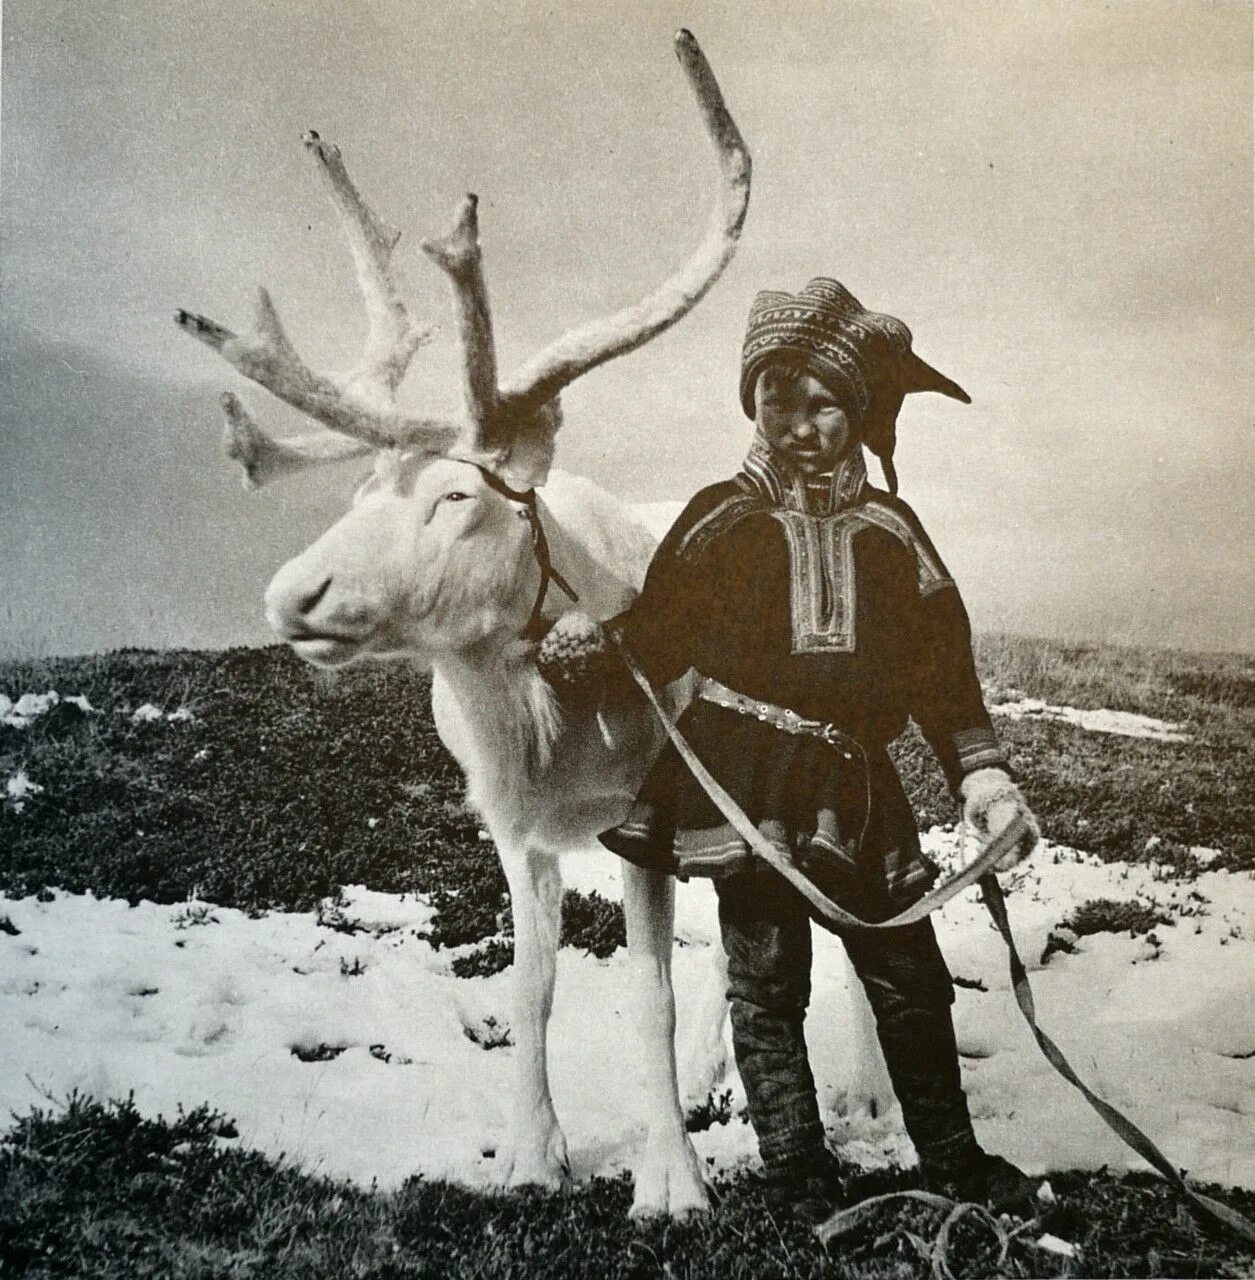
(931, 574)
(730, 512)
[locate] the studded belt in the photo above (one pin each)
(710, 690)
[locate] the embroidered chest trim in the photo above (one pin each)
(784, 487)
(822, 581)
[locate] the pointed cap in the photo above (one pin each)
(864, 356)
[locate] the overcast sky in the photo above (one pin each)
(1056, 197)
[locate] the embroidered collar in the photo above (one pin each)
(765, 471)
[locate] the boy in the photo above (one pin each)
(820, 618)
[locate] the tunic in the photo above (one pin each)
(825, 597)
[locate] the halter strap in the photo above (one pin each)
(535, 627)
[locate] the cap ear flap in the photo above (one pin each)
(880, 433)
(919, 375)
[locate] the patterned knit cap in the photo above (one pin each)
(864, 357)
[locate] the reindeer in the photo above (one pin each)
(450, 555)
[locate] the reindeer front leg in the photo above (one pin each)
(668, 1176)
(539, 1155)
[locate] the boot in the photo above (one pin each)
(981, 1178)
(812, 1186)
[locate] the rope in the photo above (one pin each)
(991, 893)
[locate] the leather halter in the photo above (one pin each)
(535, 627)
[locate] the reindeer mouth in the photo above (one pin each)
(324, 648)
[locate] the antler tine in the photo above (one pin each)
(590, 345)
(459, 256)
(269, 359)
(393, 336)
(264, 459)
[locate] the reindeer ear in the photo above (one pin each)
(526, 463)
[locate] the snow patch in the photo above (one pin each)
(108, 999)
(148, 713)
(18, 787)
(1126, 723)
(30, 706)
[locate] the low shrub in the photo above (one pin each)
(1109, 915)
(96, 1191)
(592, 923)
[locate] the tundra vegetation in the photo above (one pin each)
(245, 806)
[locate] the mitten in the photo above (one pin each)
(991, 802)
(575, 653)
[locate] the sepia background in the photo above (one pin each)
(1056, 197)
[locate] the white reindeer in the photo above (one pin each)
(445, 557)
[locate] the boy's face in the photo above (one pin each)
(802, 419)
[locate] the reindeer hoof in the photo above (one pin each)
(669, 1182)
(539, 1161)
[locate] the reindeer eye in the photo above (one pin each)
(457, 496)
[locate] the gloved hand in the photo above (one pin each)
(575, 653)
(991, 802)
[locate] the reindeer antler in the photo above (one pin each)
(264, 459)
(511, 427)
(582, 349)
(459, 256)
(361, 404)
(393, 336)
(523, 415)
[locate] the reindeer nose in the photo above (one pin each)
(309, 602)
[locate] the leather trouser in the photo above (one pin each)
(766, 935)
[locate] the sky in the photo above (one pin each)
(1056, 197)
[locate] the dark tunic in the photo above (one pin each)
(829, 599)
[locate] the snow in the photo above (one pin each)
(1052, 1244)
(18, 787)
(1126, 723)
(19, 714)
(148, 713)
(30, 706)
(192, 1003)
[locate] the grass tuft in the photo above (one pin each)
(1108, 915)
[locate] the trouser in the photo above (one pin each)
(766, 935)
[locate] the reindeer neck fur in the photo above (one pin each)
(495, 713)
(499, 719)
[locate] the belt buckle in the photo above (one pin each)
(836, 739)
